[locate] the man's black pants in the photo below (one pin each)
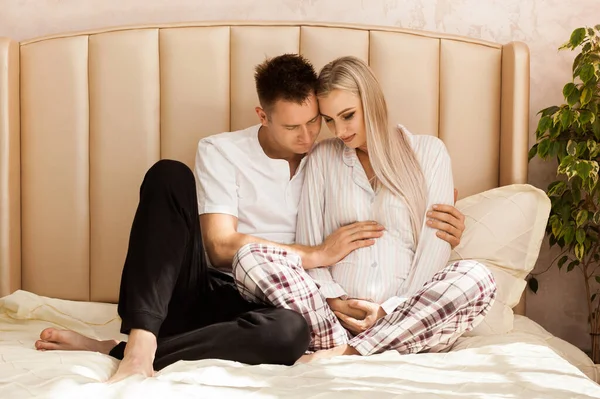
(195, 312)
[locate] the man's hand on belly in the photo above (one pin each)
(346, 239)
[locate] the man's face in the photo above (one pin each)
(294, 127)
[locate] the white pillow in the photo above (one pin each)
(505, 227)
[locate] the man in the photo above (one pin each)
(172, 304)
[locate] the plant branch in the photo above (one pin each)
(596, 268)
(587, 292)
(551, 263)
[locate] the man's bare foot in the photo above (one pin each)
(342, 350)
(66, 340)
(138, 357)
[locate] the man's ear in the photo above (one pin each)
(262, 115)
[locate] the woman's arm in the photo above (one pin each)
(432, 253)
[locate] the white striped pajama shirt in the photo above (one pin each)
(428, 305)
(337, 192)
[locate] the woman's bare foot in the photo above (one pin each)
(66, 340)
(138, 357)
(342, 350)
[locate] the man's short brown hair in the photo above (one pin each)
(288, 77)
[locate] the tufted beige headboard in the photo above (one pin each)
(83, 116)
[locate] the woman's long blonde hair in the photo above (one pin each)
(393, 160)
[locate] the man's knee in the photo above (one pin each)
(294, 337)
(286, 337)
(166, 172)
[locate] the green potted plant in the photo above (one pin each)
(570, 133)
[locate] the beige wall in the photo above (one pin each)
(542, 24)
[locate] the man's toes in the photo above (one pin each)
(48, 334)
(44, 345)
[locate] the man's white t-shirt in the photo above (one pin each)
(234, 176)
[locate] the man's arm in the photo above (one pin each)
(222, 240)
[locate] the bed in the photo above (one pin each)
(528, 362)
(82, 117)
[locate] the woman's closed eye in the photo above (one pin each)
(349, 116)
(328, 120)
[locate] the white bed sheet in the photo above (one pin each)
(526, 363)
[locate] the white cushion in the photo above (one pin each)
(504, 230)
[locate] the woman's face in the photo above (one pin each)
(343, 114)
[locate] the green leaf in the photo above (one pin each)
(543, 148)
(562, 261)
(583, 169)
(586, 48)
(557, 188)
(552, 240)
(573, 97)
(569, 234)
(572, 265)
(562, 150)
(576, 190)
(593, 148)
(533, 284)
(596, 128)
(579, 251)
(577, 37)
(593, 176)
(556, 227)
(565, 211)
(549, 111)
(596, 217)
(580, 236)
(591, 183)
(576, 62)
(568, 89)
(594, 295)
(566, 118)
(554, 148)
(581, 218)
(586, 116)
(586, 73)
(572, 148)
(532, 152)
(597, 280)
(586, 96)
(581, 147)
(544, 124)
(570, 171)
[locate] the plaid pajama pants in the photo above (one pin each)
(453, 302)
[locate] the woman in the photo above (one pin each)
(398, 293)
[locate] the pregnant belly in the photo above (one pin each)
(375, 273)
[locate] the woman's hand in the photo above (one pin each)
(341, 306)
(371, 310)
(449, 221)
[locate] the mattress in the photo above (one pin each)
(528, 363)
